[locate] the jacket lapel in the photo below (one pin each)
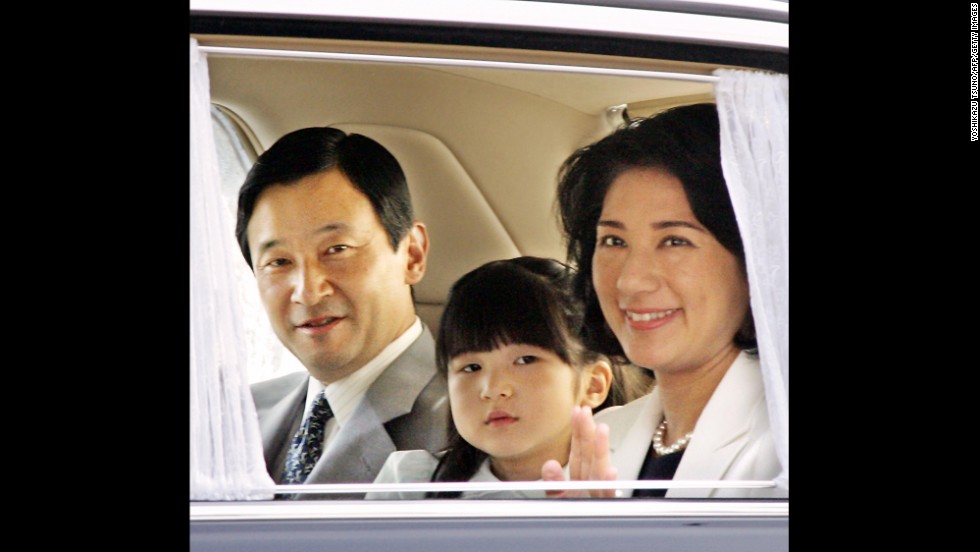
(628, 449)
(722, 429)
(362, 445)
(280, 420)
(394, 392)
(358, 451)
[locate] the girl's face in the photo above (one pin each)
(515, 404)
(671, 293)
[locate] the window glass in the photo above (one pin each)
(267, 357)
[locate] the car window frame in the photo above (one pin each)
(208, 16)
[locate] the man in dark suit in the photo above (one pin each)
(325, 222)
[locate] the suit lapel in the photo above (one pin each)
(358, 451)
(628, 449)
(279, 421)
(722, 429)
(362, 445)
(394, 392)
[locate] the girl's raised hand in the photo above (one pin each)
(588, 459)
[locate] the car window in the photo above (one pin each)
(480, 128)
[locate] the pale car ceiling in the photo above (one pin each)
(586, 93)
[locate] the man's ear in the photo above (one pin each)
(418, 251)
(597, 378)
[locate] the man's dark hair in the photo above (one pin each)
(686, 142)
(371, 168)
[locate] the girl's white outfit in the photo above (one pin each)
(417, 466)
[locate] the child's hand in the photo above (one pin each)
(588, 459)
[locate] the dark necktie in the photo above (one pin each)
(307, 444)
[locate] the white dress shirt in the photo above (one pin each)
(345, 394)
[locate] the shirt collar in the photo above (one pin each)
(345, 394)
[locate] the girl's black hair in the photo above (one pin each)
(525, 300)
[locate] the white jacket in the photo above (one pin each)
(731, 441)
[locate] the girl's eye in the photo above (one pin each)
(526, 359)
(470, 368)
(334, 249)
(676, 241)
(611, 241)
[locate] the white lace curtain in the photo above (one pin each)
(754, 112)
(226, 449)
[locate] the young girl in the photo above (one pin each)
(508, 340)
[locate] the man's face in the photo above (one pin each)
(335, 291)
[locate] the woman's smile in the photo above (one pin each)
(672, 294)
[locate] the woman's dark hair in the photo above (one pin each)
(685, 141)
(630, 382)
(371, 168)
(525, 300)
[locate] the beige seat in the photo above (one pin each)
(455, 212)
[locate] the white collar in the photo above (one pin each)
(484, 475)
(345, 394)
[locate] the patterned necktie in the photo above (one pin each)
(307, 444)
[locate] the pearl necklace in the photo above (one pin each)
(658, 441)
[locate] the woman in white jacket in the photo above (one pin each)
(650, 226)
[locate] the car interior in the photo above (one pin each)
(480, 142)
(480, 125)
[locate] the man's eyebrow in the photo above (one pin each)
(325, 229)
(268, 245)
(332, 227)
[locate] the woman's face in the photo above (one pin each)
(672, 294)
